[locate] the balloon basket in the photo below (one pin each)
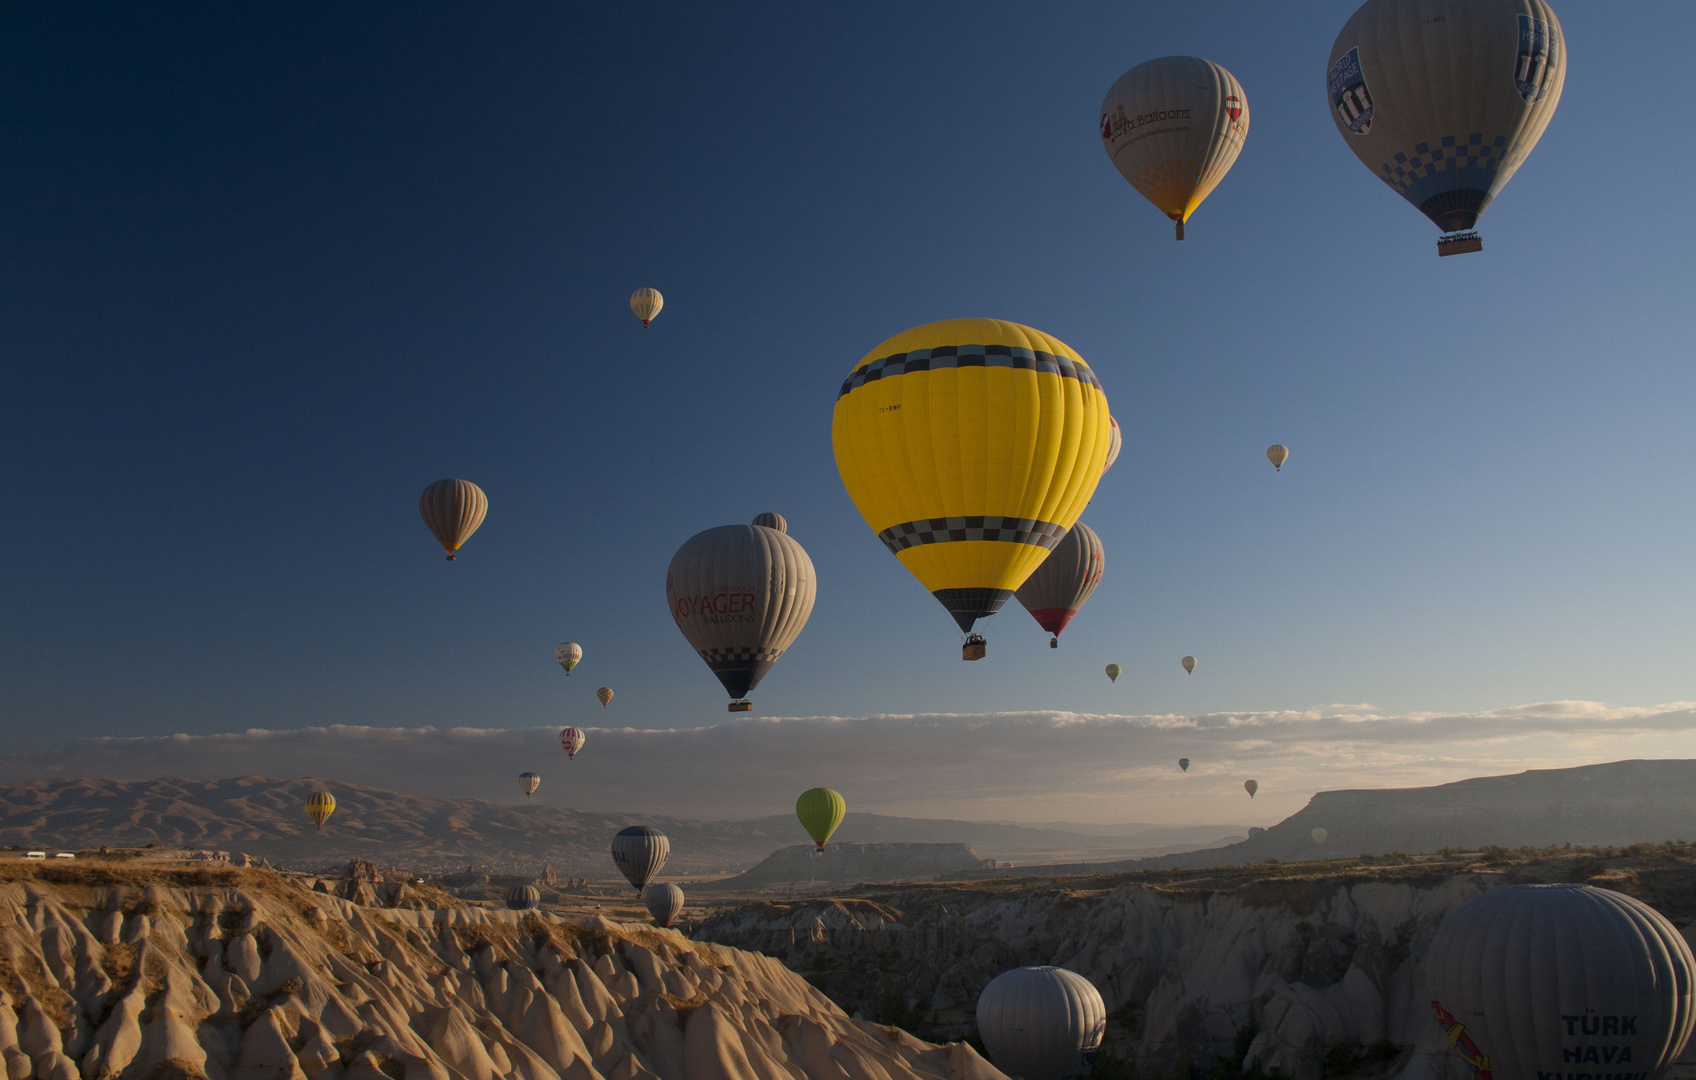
(975, 648)
(1054, 643)
(741, 706)
(1459, 244)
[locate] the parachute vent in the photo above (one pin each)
(1459, 244)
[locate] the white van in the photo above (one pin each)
(35, 854)
(65, 855)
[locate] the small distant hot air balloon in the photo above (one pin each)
(741, 595)
(1184, 764)
(1526, 978)
(640, 852)
(571, 740)
(1066, 579)
(1277, 454)
(969, 447)
(452, 510)
(1113, 671)
(1041, 1023)
(1251, 786)
(665, 903)
(1319, 836)
(528, 782)
(1189, 664)
(646, 303)
(1115, 446)
(1444, 99)
(605, 694)
(524, 898)
(1173, 127)
(319, 806)
(821, 810)
(568, 655)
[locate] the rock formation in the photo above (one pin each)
(846, 864)
(107, 974)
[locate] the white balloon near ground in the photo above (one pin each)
(1557, 980)
(664, 902)
(1041, 1023)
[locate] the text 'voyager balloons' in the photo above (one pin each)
(528, 783)
(1041, 1023)
(664, 903)
(452, 511)
(1058, 588)
(640, 852)
(1113, 672)
(1443, 99)
(568, 654)
(646, 303)
(820, 811)
(1173, 127)
(319, 806)
(571, 740)
(741, 595)
(1536, 981)
(969, 447)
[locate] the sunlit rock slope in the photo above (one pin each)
(845, 864)
(243, 975)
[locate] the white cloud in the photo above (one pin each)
(1003, 766)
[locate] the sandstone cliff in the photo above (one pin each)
(110, 972)
(846, 864)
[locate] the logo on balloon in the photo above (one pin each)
(1349, 95)
(1234, 108)
(1537, 59)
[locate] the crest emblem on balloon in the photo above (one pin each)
(1349, 95)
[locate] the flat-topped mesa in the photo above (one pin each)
(844, 864)
(245, 975)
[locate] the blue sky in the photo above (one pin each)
(267, 270)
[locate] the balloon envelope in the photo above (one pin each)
(571, 740)
(1277, 454)
(821, 810)
(568, 654)
(528, 782)
(1041, 1023)
(970, 447)
(665, 903)
(740, 595)
(639, 852)
(1443, 99)
(1173, 127)
(1189, 664)
(1058, 588)
(605, 695)
(452, 511)
(1184, 764)
(772, 521)
(319, 806)
(1556, 979)
(646, 303)
(1113, 671)
(1251, 786)
(524, 898)
(1319, 836)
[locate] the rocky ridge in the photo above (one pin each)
(225, 974)
(842, 864)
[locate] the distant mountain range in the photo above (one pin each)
(266, 817)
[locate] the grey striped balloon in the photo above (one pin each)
(1041, 1023)
(640, 852)
(452, 510)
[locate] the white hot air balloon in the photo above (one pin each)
(741, 595)
(1041, 1023)
(571, 740)
(665, 903)
(1552, 981)
(568, 655)
(528, 783)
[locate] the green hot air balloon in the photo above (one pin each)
(821, 810)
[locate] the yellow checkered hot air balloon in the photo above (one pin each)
(970, 446)
(319, 806)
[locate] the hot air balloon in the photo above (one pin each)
(1173, 127)
(970, 447)
(646, 303)
(1058, 588)
(528, 782)
(665, 903)
(1189, 664)
(821, 810)
(1546, 980)
(452, 510)
(1443, 99)
(1319, 836)
(319, 806)
(524, 898)
(1113, 671)
(639, 852)
(571, 740)
(1184, 764)
(568, 655)
(1277, 454)
(1251, 786)
(605, 695)
(1116, 443)
(1041, 1023)
(741, 594)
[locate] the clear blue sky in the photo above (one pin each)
(266, 270)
